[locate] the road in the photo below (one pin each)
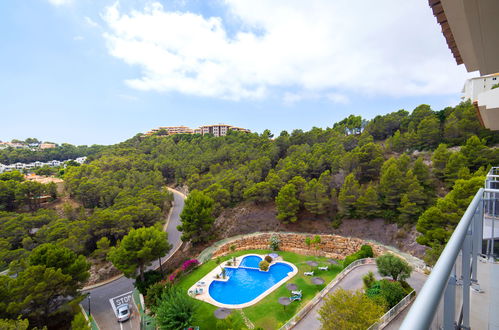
(101, 297)
(353, 281)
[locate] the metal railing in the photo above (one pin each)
(393, 312)
(457, 266)
(311, 304)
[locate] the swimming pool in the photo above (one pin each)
(251, 261)
(247, 284)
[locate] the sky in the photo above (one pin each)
(99, 72)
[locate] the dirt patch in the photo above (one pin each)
(101, 271)
(248, 218)
(43, 179)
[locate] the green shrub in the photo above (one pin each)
(176, 310)
(268, 259)
(407, 288)
(368, 280)
(336, 223)
(349, 259)
(274, 243)
(154, 293)
(391, 292)
(150, 277)
(365, 251)
(263, 265)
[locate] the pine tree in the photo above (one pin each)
(475, 152)
(439, 160)
(287, 204)
(408, 210)
(348, 195)
(315, 197)
(396, 142)
(367, 205)
(456, 162)
(391, 185)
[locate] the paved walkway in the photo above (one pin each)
(352, 281)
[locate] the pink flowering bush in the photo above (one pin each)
(190, 264)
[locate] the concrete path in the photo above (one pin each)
(101, 307)
(352, 281)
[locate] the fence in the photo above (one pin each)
(393, 312)
(311, 304)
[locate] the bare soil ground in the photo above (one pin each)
(249, 218)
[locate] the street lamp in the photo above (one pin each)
(160, 266)
(89, 311)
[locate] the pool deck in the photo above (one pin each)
(211, 276)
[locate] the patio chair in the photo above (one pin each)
(198, 291)
(296, 292)
(323, 268)
(295, 297)
(309, 273)
(201, 283)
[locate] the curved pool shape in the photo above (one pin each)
(251, 261)
(246, 284)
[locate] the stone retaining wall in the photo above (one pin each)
(331, 246)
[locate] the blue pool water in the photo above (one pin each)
(251, 261)
(246, 284)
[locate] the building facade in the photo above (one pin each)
(216, 130)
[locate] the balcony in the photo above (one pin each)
(462, 291)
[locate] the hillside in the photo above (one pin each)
(403, 179)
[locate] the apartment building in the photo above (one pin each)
(216, 130)
(220, 129)
(47, 146)
(470, 29)
(476, 86)
(171, 130)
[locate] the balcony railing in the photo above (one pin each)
(444, 300)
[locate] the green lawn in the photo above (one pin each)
(268, 313)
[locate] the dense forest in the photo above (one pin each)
(60, 152)
(414, 169)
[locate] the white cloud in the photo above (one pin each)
(292, 98)
(337, 98)
(91, 22)
(374, 47)
(60, 2)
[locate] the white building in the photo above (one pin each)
(81, 160)
(476, 86)
(471, 31)
(54, 163)
(484, 98)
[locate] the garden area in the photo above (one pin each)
(258, 314)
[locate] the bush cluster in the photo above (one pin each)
(268, 259)
(150, 278)
(190, 264)
(366, 251)
(386, 292)
(263, 265)
(274, 243)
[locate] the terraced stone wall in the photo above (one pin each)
(331, 246)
